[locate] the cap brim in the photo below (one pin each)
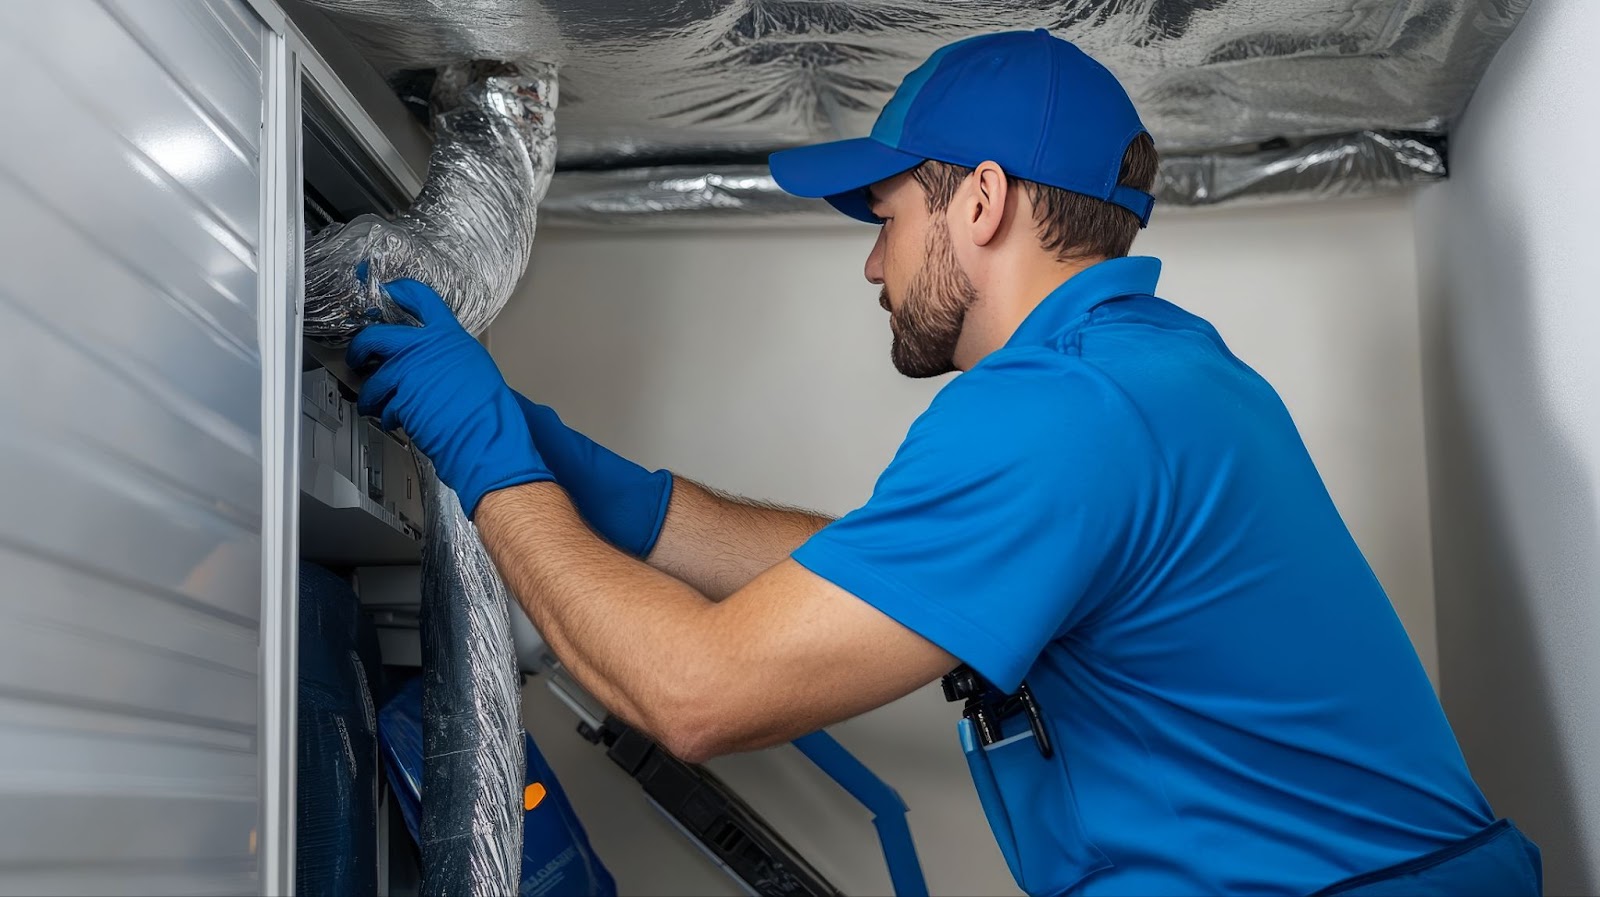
(840, 172)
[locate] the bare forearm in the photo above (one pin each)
(718, 543)
(618, 626)
(787, 655)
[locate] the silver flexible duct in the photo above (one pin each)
(643, 198)
(468, 235)
(472, 745)
(470, 230)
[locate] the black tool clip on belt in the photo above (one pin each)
(987, 706)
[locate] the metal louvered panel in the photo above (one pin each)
(131, 452)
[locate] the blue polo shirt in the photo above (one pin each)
(1117, 509)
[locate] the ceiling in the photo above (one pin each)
(1244, 97)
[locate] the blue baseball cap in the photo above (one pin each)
(1031, 102)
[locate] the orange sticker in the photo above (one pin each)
(532, 796)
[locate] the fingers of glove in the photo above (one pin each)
(391, 417)
(420, 300)
(376, 395)
(380, 389)
(380, 341)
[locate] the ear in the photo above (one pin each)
(987, 204)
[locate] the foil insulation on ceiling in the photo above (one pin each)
(1346, 165)
(1225, 86)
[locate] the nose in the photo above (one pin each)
(874, 270)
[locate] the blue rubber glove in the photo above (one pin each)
(625, 503)
(441, 386)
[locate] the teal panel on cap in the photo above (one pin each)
(892, 120)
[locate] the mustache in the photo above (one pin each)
(883, 298)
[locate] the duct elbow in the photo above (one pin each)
(469, 232)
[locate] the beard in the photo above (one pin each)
(927, 325)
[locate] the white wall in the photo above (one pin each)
(1508, 265)
(758, 361)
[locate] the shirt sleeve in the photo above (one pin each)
(1018, 502)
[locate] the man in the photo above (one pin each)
(1105, 504)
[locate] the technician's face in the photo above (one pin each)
(924, 289)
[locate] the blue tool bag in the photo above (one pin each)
(336, 785)
(556, 856)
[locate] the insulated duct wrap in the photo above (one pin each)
(472, 760)
(468, 235)
(469, 232)
(1354, 165)
(1226, 86)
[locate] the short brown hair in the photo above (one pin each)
(1071, 225)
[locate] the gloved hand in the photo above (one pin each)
(441, 386)
(625, 503)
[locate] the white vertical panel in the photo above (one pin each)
(131, 447)
(1510, 282)
(282, 286)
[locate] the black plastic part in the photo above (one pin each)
(986, 707)
(712, 814)
(961, 684)
(588, 733)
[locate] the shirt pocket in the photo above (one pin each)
(1029, 802)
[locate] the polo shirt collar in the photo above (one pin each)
(1097, 284)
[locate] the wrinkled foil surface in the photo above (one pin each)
(472, 743)
(469, 232)
(1356, 165)
(468, 235)
(716, 83)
